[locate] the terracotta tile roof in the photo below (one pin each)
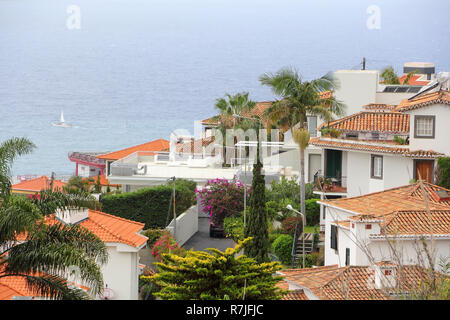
(38, 184)
(261, 107)
(414, 80)
(417, 222)
(11, 286)
(396, 199)
(108, 228)
(295, 295)
(380, 107)
(350, 282)
(156, 145)
(438, 97)
(389, 148)
(392, 122)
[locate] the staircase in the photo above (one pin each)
(309, 244)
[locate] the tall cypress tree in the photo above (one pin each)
(257, 221)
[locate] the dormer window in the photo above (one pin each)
(424, 126)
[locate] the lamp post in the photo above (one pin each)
(289, 207)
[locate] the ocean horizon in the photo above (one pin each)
(136, 70)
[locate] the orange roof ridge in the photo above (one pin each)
(155, 145)
(117, 217)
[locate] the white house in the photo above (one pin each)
(385, 146)
(388, 226)
(123, 241)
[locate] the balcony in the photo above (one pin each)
(330, 184)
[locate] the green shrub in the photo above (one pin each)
(149, 205)
(444, 172)
(153, 235)
(282, 248)
(273, 236)
(313, 259)
(312, 212)
(234, 227)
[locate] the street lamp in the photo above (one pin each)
(289, 207)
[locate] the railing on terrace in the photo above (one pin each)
(327, 183)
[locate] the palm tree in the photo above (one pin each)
(43, 258)
(229, 106)
(298, 99)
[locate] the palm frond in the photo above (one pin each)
(54, 287)
(9, 151)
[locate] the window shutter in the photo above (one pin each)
(333, 237)
(347, 256)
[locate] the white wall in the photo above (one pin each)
(397, 171)
(392, 97)
(121, 272)
(409, 251)
(441, 142)
(357, 88)
(187, 225)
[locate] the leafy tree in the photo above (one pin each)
(216, 276)
(42, 258)
(98, 186)
(298, 99)
(444, 172)
(78, 183)
(257, 223)
(389, 76)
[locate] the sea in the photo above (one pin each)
(125, 72)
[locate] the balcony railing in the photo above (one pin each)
(327, 183)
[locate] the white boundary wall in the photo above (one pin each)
(187, 225)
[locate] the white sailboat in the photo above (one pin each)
(61, 122)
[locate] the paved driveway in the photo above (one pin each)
(201, 240)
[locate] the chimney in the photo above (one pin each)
(385, 275)
(72, 216)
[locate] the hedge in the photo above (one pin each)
(150, 205)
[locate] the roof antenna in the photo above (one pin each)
(364, 63)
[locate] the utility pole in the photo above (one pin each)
(364, 63)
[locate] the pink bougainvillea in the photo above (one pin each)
(221, 198)
(164, 244)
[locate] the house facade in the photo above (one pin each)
(390, 225)
(123, 241)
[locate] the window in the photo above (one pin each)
(375, 136)
(312, 125)
(347, 256)
(334, 237)
(387, 272)
(324, 214)
(424, 126)
(368, 226)
(351, 136)
(376, 167)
